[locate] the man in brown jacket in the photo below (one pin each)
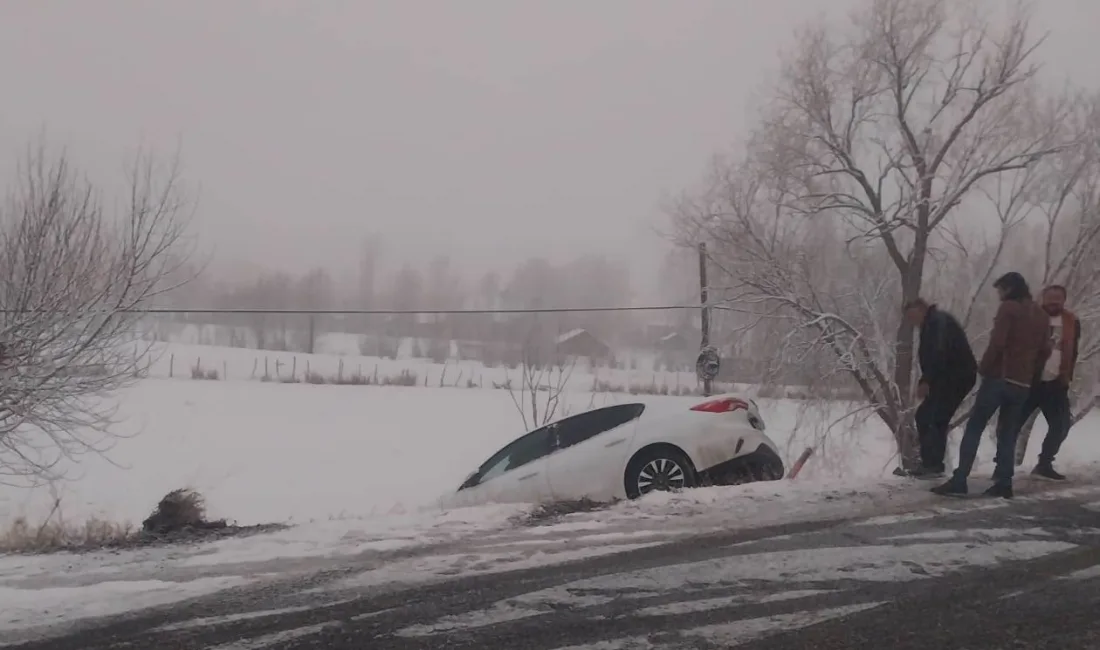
(1018, 347)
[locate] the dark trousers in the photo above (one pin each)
(1052, 400)
(993, 395)
(933, 419)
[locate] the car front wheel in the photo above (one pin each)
(658, 470)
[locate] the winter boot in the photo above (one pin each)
(954, 487)
(928, 473)
(1046, 471)
(999, 490)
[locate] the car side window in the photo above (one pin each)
(577, 429)
(529, 448)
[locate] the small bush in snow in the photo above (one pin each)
(354, 379)
(198, 372)
(405, 378)
(178, 510)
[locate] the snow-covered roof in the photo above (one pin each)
(570, 335)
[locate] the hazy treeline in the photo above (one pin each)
(382, 283)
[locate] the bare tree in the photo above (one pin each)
(269, 291)
(542, 381)
(315, 290)
(71, 273)
(1066, 203)
(877, 143)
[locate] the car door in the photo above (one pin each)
(515, 474)
(590, 452)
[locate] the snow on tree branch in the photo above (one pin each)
(70, 269)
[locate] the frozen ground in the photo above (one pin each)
(360, 470)
(268, 451)
(732, 587)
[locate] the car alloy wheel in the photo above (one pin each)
(662, 474)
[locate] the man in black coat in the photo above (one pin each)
(948, 373)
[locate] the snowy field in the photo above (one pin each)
(298, 452)
(360, 470)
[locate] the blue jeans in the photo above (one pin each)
(1052, 399)
(993, 395)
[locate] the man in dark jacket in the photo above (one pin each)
(1050, 394)
(948, 373)
(1018, 347)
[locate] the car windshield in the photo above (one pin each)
(496, 469)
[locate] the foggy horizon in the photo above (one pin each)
(490, 133)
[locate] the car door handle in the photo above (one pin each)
(531, 475)
(615, 442)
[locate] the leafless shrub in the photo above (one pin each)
(404, 378)
(540, 387)
(178, 510)
(354, 379)
(71, 272)
(198, 372)
(56, 533)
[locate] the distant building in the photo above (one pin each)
(581, 343)
(675, 351)
(673, 342)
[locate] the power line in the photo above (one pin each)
(356, 312)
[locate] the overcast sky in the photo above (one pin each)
(490, 130)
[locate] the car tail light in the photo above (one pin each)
(723, 405)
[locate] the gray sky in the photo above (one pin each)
(490, 130)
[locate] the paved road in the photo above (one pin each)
(972, 575)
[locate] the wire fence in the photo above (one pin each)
(629, 349)
(638, 349)
(582, 331)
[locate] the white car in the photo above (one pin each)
(626, 451)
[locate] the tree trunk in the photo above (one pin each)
(906, 432)
(912, 279)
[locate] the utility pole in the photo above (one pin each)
(704, 300)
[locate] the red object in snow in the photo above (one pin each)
(722, 405)
(809, 451)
